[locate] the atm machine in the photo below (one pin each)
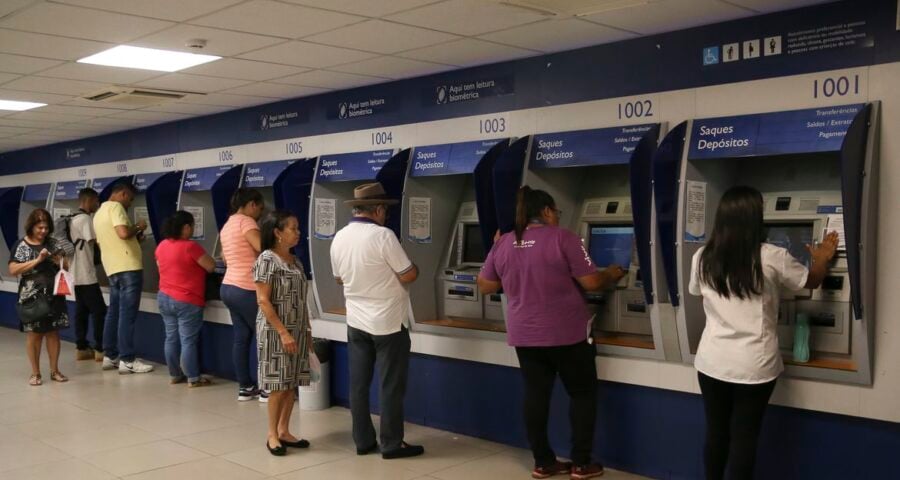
(335, 178)
(167, 198)
(206, 194)
(33, 196)
(601, 180)
(286, 185)
(65, 198)
(10, 199)
(817, 170)
(446, 238)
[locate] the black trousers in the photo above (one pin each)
(89, 302)
(576, 368)
(734, 414)
(391, 354)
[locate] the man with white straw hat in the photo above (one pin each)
(367, 260)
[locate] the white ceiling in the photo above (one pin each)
(280, 49)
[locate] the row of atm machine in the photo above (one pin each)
(640, 196)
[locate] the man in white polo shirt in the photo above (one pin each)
(367, 260)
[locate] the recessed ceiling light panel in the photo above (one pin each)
(148, 58)
(19, 106)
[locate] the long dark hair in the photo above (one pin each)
(276, 219)
(730, 262)
(174, 224)
(529, 205)
(243, 196)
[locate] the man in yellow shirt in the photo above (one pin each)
(120, 253)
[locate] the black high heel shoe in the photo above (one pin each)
(298, 444)
(278, 451)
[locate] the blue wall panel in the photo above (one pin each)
(658, 433)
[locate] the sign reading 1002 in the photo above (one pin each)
(636, 109)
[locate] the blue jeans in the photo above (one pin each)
(183, 323)
(242, 305)
(124, 304)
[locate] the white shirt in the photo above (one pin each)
(740, 341)
(81, 227)
(367, 258)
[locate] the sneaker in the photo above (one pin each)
(84, 354)
(136, 366)
(559, 468)
(98, 355)
(245, 394)
(405, 451)
(110, 364)
(582, 472)
(263, 396)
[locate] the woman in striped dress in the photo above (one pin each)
(283, 329)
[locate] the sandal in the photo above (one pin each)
(202, 382)
(57, 376)
(35, 380)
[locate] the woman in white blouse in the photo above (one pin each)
(738, 361)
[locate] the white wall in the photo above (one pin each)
(784, 93)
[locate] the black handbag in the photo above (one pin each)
(34, 309)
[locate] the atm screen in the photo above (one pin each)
(611, 244)
(473, 246)
(792, 236)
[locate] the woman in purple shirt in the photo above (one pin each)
(544, 270)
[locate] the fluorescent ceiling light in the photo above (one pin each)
(148, 58)
(19, 106)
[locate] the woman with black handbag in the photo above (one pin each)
(42, 314)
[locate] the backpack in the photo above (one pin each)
(63, 236)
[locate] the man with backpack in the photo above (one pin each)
(88, 297)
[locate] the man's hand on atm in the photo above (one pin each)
(821, 254)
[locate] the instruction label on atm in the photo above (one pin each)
(796, 131)
(69, 190)
(202, 179)
(36, 193)
(141, 213)
(419, 219)
(326, 218)
(695, 212)
(352, 166)
(603, 146)
(264, 174)
(449, 158)
(197, 212)
(142, 182)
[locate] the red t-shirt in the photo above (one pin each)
(180, 276)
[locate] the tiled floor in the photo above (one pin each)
(103, 426)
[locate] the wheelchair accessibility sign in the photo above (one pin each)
(710, 55)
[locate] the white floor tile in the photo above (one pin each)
(210, 468)
(141, 458)
(71, 469)
(102, 426)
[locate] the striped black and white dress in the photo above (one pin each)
(279, 370)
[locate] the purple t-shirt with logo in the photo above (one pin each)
(546, 306)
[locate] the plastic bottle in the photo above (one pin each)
(801, 338)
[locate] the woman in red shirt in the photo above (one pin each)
(183, 265)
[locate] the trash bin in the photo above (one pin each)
(318, 395)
